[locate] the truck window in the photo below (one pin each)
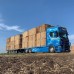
(51, 34)
(63, 34)
(54, 34)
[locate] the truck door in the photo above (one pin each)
(49, 37)
(52, 38)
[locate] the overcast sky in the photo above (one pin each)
(17, 16)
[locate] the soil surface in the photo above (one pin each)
(37, 63)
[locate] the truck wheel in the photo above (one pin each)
(51, 49)
(30, 51)
(26, 51)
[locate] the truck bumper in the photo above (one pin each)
(58, 49)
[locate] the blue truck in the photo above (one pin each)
(56, 41)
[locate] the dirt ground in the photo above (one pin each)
(37, 63)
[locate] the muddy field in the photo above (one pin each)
(37, 63)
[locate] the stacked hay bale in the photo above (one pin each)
(14, 42)
(32, 38)
(8, 44)
(25, 40)
(18, 42)
(35, 37)
(72, 48)
(41, 34)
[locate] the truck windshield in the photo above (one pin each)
(63, 34)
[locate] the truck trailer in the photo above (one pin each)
(43, 39)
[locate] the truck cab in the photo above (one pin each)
(57, 39)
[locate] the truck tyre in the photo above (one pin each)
(7, 52)
(26, 51)
(51, 49)
(30, 50)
